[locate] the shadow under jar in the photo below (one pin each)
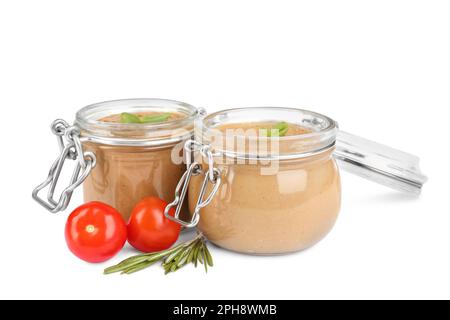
(134, 160)
(279, 193)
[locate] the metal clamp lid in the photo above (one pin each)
(379, 163)
(68, 138)
(194, 168)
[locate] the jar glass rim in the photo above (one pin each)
(95, 130)
(330, 124)
(84, 113)
(322, 135)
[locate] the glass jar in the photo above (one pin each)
(268, 194)
(270, 201)
(125, 161)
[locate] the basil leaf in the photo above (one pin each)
(279, 130)
(283, 128)
(129, 118)
(155, 118)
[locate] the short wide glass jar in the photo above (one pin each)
(278, 194)
(134, 160)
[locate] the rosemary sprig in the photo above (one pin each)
(192, 251)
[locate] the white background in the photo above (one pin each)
(381, 68)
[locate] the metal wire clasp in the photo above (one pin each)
(68, 138)
(194, 168)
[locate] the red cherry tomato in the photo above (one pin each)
(148, 229)
(95, 232)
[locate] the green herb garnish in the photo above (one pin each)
(129, 118)
(126, 117)
(279, 130)
(192, 251)
(155, 118)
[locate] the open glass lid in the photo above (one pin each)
(379, 163)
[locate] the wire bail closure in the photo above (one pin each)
(194, 168)
(68, 138)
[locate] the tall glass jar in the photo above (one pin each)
(134, 160)
(119, 162)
